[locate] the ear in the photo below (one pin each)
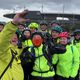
(42, 40)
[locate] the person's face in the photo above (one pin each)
(54, 34)
(37, 40)
(21, 27)
(32, 30)
(63, 40)
(77, 36)
(27, 34)
(43, 27)
(1, 27)
(14, 39)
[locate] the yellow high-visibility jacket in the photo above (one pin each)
(15, 71)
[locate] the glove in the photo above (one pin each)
(19, 44)
(60, 49)
(71, 78)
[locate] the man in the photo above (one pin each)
(21, 28)
(54, 23)
(76, 42)
(33, 26)
(45, 31)
(1, 26)
(41, 68)
(43, 26)
(6, 53)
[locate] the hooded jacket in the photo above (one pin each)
(6, 55)
(67, 63)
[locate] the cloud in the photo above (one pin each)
(70, 6)
(49, 5)
(3, 19)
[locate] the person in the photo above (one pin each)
(67, 63)
(7, 53)
(1, 26)
(55, 31)
(44, 30)
(33, 26)
(43, 26)
(76, 42)
(41, 69)
(26, 37)
(26, 63)
(15, 68)
(54, 23)
(21, 28)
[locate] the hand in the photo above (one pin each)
(19, 17)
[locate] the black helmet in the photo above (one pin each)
(77, 31)
(2, 23)
(55, 21)
(37, 33)
(43, 22)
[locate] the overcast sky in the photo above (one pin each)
(70, 6)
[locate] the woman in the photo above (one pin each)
(26, 63)
(67, 63)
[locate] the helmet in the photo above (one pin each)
(55, 21)
(43, 22)
(33, 25)
(64, 34)
(2, 23)
(57, 28)
(77, 31)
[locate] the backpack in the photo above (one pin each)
(46, 54)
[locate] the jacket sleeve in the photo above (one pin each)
(54, 58)
(75, 66)
(5, 36)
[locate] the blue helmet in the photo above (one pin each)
(57, 28)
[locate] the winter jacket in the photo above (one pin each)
(67, 63)
(14, 71)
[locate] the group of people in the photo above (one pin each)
(36, 52)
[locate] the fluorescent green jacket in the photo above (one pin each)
(77, 44)
(78, 47)
(15, 71)
(27, 42)
(41, 64)
(5, 53)
(67, 63)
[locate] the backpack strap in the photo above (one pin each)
(72, 54)
(33, 52)
(46, 54)
(48, 57)
(72, 49)
(10, 63)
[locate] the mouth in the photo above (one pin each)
(14, 41)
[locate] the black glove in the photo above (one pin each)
(23, 37)
(71, 78)
(60, 48)
(24, 53)
(19, 44)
